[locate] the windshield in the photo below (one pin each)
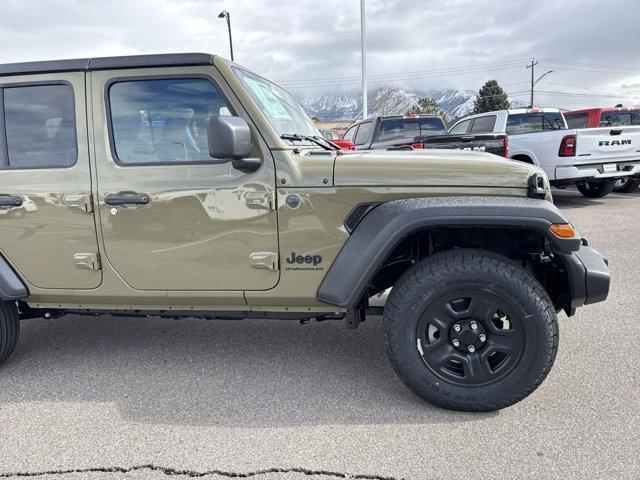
(393, 128)
(281, 109)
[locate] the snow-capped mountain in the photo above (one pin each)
(389, 100)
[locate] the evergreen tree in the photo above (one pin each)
(427, 106)
(490, 97)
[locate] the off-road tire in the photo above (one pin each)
(591, 189)
(628, 185)
(457, 270)
(9, 329)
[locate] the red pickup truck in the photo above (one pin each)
(617, 116)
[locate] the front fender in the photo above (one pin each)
(384, 227)
(11, 286)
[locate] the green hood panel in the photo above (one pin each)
(436, 168)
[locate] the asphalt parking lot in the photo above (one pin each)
(111, 398)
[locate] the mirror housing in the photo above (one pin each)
(229, 137)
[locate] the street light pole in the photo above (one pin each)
(534, 62)
(224, 14)
(363, 46)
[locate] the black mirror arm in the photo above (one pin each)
(246, 165)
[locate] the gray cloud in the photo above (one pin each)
(314, 41)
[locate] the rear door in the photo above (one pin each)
(47, 229)
(608, 144)
(171, 218)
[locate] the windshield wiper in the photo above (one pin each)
(320, 141)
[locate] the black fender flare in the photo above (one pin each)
(385, 226)
(11, 286)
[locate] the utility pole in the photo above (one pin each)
(224, 14)
(534, 62)
(363, 46)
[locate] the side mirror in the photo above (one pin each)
(229, 137)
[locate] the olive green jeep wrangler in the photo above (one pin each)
(187, 186)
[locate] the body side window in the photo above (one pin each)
(364, 132)
(484, 124)
(577, 120)
(460, 128)
(350, 134)
(39, 126)
(163, 120)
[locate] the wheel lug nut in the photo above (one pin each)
(457, 327)
(482, 337)
(456, 342)
(472, 348)
(474, 325)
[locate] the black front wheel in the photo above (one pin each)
(470, 330)
(9, 329)
(596, 189)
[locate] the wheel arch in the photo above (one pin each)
(522, 157)
(393, 226)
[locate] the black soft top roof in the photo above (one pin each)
(107, 63)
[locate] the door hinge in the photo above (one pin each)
(88, 203)
(82, 203)
(266, 200)
(265, 260)
(87, 261)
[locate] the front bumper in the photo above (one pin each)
(595, 171)
(588, 275)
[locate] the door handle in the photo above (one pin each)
(114, 199)
(11, 201)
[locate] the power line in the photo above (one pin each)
(390, 79)
(430, 72)
(584, 94)
(610, 72)
(585, 64)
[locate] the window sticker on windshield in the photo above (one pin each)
(269, 101)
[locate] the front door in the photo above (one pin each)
(172, 218)
(47, 230)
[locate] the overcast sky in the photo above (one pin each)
(313, 46)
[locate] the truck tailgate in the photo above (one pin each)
(607, 144)
(482, 142)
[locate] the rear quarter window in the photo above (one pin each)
(521, 123)
(484, 124)
(577, 120)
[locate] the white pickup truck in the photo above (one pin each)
(591, 158)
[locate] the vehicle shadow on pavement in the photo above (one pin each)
(256, 373)
(571, 198)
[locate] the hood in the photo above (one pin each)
(431, 168)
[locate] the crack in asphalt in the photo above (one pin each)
(196, 474)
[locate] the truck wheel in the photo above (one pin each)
(627, 185)
(593, 189)
(470, 330)
(9, 329)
